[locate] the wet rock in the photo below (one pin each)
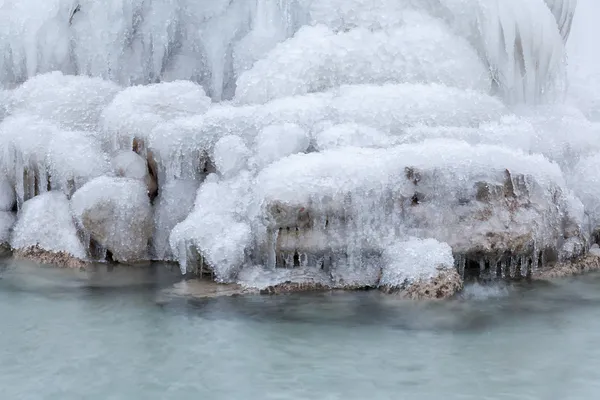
(442, 286)
(588, 263)
(42, 256)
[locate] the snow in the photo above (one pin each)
(413, 260)
(345, 142)
(46, 221)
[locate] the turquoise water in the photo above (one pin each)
(113, 336)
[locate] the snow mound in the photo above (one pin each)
(116, 213)
(414, 260)
(46, 222)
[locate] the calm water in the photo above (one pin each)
(66, 336)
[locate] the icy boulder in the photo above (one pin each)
(490, 204)
(316, 59)
(585, 182)
(230, 155)
(420, 268)
(116, 213)
(45, 222)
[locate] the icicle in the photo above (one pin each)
(183, 257)
(513, 267)
(271, 248)
(503, 269)
(19, 184)
(481, 267)
(462, 262)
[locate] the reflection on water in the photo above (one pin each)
(104, 334)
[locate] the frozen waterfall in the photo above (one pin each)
(330, 141)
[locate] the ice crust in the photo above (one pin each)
(346, 143)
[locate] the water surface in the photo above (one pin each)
(65, 335)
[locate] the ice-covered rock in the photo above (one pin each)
(116, 213)
(420, 269)
(45, 222)
(353, 135)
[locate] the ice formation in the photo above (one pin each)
(348, 143)
(116, 214)
(45, 221)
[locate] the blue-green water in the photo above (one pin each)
(67, 337)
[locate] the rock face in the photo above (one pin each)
(116, 213)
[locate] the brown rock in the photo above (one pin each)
(443, 286)
(59, 259)
(582, 265)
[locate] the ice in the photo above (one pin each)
(116, 213)
(217, 227)
(137, 110)
(414, 260)
(230, 155)
(7, 220)
(305, 140)
(421, 51)
(277, 141)
(7, 195)
(39, 156)
(71, 102)
(174, 203)
(46, 221)
(351, 134)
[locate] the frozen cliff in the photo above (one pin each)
(348, 143)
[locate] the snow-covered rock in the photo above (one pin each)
(45, 222)
(116, 213)
(129, 164)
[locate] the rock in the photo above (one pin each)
(202, 289)
(116, 213)
(7, 221)
(588, 263)
(442, 286)
(41, 256)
